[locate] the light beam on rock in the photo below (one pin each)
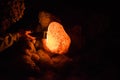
(57, 40)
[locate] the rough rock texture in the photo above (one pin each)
(12, 10)
(57, 40)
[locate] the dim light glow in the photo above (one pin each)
(57, 40)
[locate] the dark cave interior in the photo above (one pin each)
(93, 42)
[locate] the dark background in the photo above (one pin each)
(97, 58)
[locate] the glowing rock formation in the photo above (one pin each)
(57, 40)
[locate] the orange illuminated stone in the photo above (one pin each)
(57, 40)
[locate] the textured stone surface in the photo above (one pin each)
(57, 40)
